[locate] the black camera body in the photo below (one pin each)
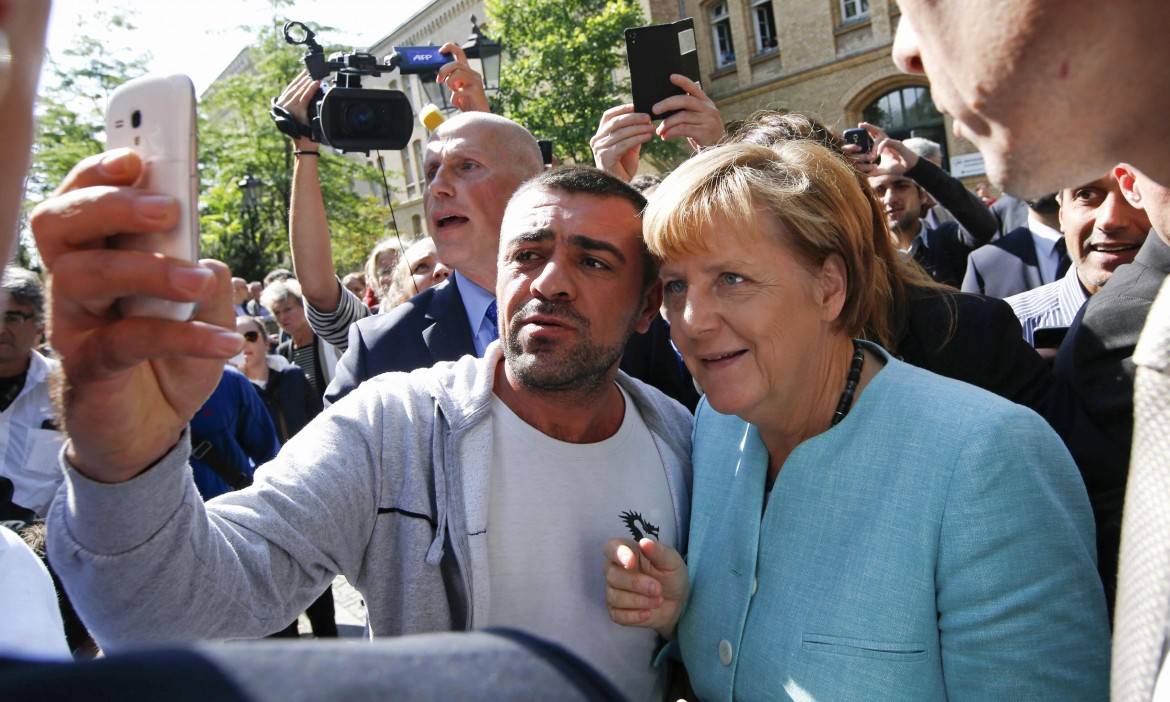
(345, 115)
(358, 119)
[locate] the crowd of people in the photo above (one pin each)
(798, 420)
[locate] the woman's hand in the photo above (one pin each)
(699, 121)
(646, 584)
(617, 145)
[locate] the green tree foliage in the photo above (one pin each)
(73, 98)
(236, 138)
(559, 72)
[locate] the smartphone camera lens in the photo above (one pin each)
(136, 119)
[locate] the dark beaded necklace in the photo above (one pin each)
(846, 400)
(843, 404)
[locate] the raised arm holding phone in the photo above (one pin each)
(617, 145)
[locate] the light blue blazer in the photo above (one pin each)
(936, 544)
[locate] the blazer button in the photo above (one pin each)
(725, 652)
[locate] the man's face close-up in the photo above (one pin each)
(1039, 86)
(470, 173)
(901, 201)
(570, 287)
(1101, 229)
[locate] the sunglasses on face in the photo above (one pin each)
(251, 336)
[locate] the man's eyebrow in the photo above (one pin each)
(533, 236)
(591, 244)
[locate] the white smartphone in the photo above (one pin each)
(155, 116)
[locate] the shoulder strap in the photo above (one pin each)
(206, 452)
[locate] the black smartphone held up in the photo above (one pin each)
(859, 137)
(653, 54)
(546, 152)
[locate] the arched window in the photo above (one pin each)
(908, 112)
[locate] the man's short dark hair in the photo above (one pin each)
(25, 288)
(587, 180)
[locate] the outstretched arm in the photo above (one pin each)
(646, 584)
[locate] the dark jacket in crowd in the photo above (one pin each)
(1093, 401)
(288, 397)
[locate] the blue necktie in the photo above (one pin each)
(492, 317)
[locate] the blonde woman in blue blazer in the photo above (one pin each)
(861, 529)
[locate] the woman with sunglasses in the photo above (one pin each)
(286, 392)
(292, 403)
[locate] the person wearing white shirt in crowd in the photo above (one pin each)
(29, 437)
(1102, 231)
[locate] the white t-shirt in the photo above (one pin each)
(552, 507)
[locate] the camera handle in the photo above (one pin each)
(314, 58)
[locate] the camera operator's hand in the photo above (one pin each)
(699, 122)
(296, 98)
(467, 93)
(130, 385)
(889, 157)
(617, 145)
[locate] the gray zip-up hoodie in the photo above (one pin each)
(388, 487)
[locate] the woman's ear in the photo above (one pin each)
(834, 283)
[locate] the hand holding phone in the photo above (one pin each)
(155, 116)
(860, 138)
(654, 53)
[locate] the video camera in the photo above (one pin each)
(351, 118)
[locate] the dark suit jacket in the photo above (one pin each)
(429, 328)
(977, 340)
(1007, 266)
(944, 256)
(432, 327)
(1093, 404)
(1011, 212)
(956, 202)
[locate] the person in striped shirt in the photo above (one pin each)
(1102, 231)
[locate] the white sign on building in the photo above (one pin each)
(967, 165)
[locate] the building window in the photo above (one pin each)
(408, 166)
(908, 112)
(721, 32)
(765, 20)
(418, 162)
(416, 225)
(852, 10)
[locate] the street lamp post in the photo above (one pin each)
(489, 53)
(252, 192)
(252, 189)
(478, 47)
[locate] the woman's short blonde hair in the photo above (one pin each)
(811, 192)
(393, 243)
